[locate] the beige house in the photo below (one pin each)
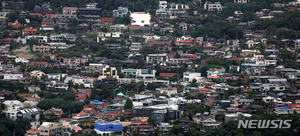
(50, 128)
(37, 73)
(41, 48)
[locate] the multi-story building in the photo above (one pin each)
(140, 73)
(120, 12)
(41, 48)
(160, 45)
(90, 11)
(108, 127)
(12, 107)
(213, 6)
(48, 23)
(140, 18)
(29, 31)
(164, 127)
(39, 38)
(190, 76)
(157, 58)
(37, 74)
(51, 129)
(70, 10)
(13, 76)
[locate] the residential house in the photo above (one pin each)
(157, 58)
(48, 23)
(209, 123)
(213, 6)
(90, 11)
(140, 18)
(144, 129)
(109, 72)
(44, 48)
(85, 114)
(279, 81)
(118, 27)
(164, 128)
(56, 76)
(29, 31)
(120, 12)
(135, 47)
(70, 10)
(37, 74)
(39, 64)
(39, 38)
(107, 127)
(190, 76)
(13, 76)
(82, 94)
(54, 113)
(32, 132)
(241, 1)
(32, 114)
(160, 45)
(236, 116)
(163, 5)
(88, 83)
(11, 108)
(50, 128)
(184, 43)
(283, 110)
(168, 91)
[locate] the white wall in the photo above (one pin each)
(140, 18)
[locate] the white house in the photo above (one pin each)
(40, 38)
(189, 76)
(213, 6)
(163, 5)
(13, 76)
(157, 58)
(11, 108)
(140, 18)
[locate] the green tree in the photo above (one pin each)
(128, 104)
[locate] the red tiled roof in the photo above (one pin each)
(107, 19)
(167, 74)
(89, 124)
(33, 130)
(204, 89)
(214, 76)
(202, 92)
(29, 29)
(77, 128)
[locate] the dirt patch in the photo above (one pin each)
(30, 97)
(24, 49)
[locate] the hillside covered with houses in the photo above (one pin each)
(148, 67)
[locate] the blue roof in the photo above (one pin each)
(97, 102)
(283, 108)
